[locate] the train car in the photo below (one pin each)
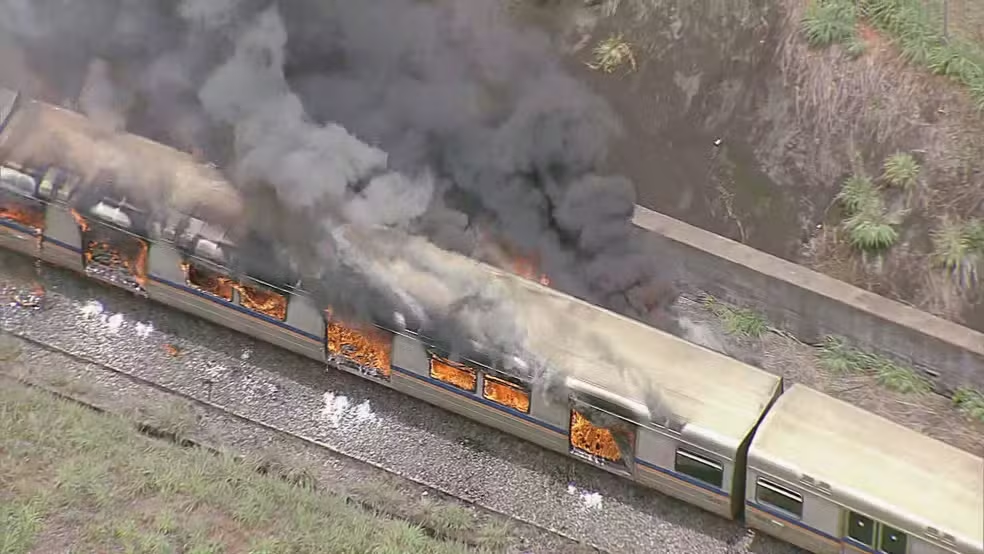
(620, 395)
(830, 477)
(631, 399)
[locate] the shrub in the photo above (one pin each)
(970, 402)
(829, 21)
(901, 170)
(858, 194)
(958, 247)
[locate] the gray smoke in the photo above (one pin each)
(439, 118)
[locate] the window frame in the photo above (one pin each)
(882, 528)
(874, 529)
(691, 456)
(762, 482)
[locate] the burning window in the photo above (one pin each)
(209, 281)
(365, 350)
(22, 211)
(453, 373)
(601, 437)
(265, 301)
(507, 392)
(114, 256)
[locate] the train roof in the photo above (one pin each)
(716, 393)
(721, 396)
(874, 462)
(40, 135)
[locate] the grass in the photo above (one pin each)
(92, 481)
(970, 402)
(870, 226)
(738, 321)
(838, 357)
(612, 53)
(915, 29)
(958, 247)
(827, 22)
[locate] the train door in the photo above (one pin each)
(602, 432)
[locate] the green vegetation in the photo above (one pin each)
(828, 22)
(970, 402)
(916, 29)
(836, 356)
(612, 53)
(901, 170)
(70, 474)
(870, 226)
(958, 247)
(738, 321)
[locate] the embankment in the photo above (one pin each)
(811, 305)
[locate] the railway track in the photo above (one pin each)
(183, 440)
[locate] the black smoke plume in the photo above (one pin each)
(439, 118)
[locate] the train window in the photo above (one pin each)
(861, 528)
(892, 541)
(776, 496)
(699, 468)
(508, 392)
(453, 373)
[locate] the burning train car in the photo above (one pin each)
(593, 401)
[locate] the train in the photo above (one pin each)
(628, 398)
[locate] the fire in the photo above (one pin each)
(527, 268)
(103, 253)
(369, 349)
(453, 373)
(33, 219)
(208, 281)
(596, 441)
(83, 224)
(263, 301)
(139, 265)
(506, 393)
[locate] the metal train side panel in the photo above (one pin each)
(20, 239)
(411, 376)
(167, 285)
(816, 529)
(62, 239)
(657, 453)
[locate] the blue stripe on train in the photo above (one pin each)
(788, 519)
(18, 227)
(247, 311)
(207, 296)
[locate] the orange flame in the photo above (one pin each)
(31, 218)
(103, 253)
(263, 301)
(366, 347)
(527, 268)
(208, 281)
(453, 373)
(506, 393)
(83, 224)
(596, 441)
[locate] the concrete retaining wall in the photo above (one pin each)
(811, 305)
